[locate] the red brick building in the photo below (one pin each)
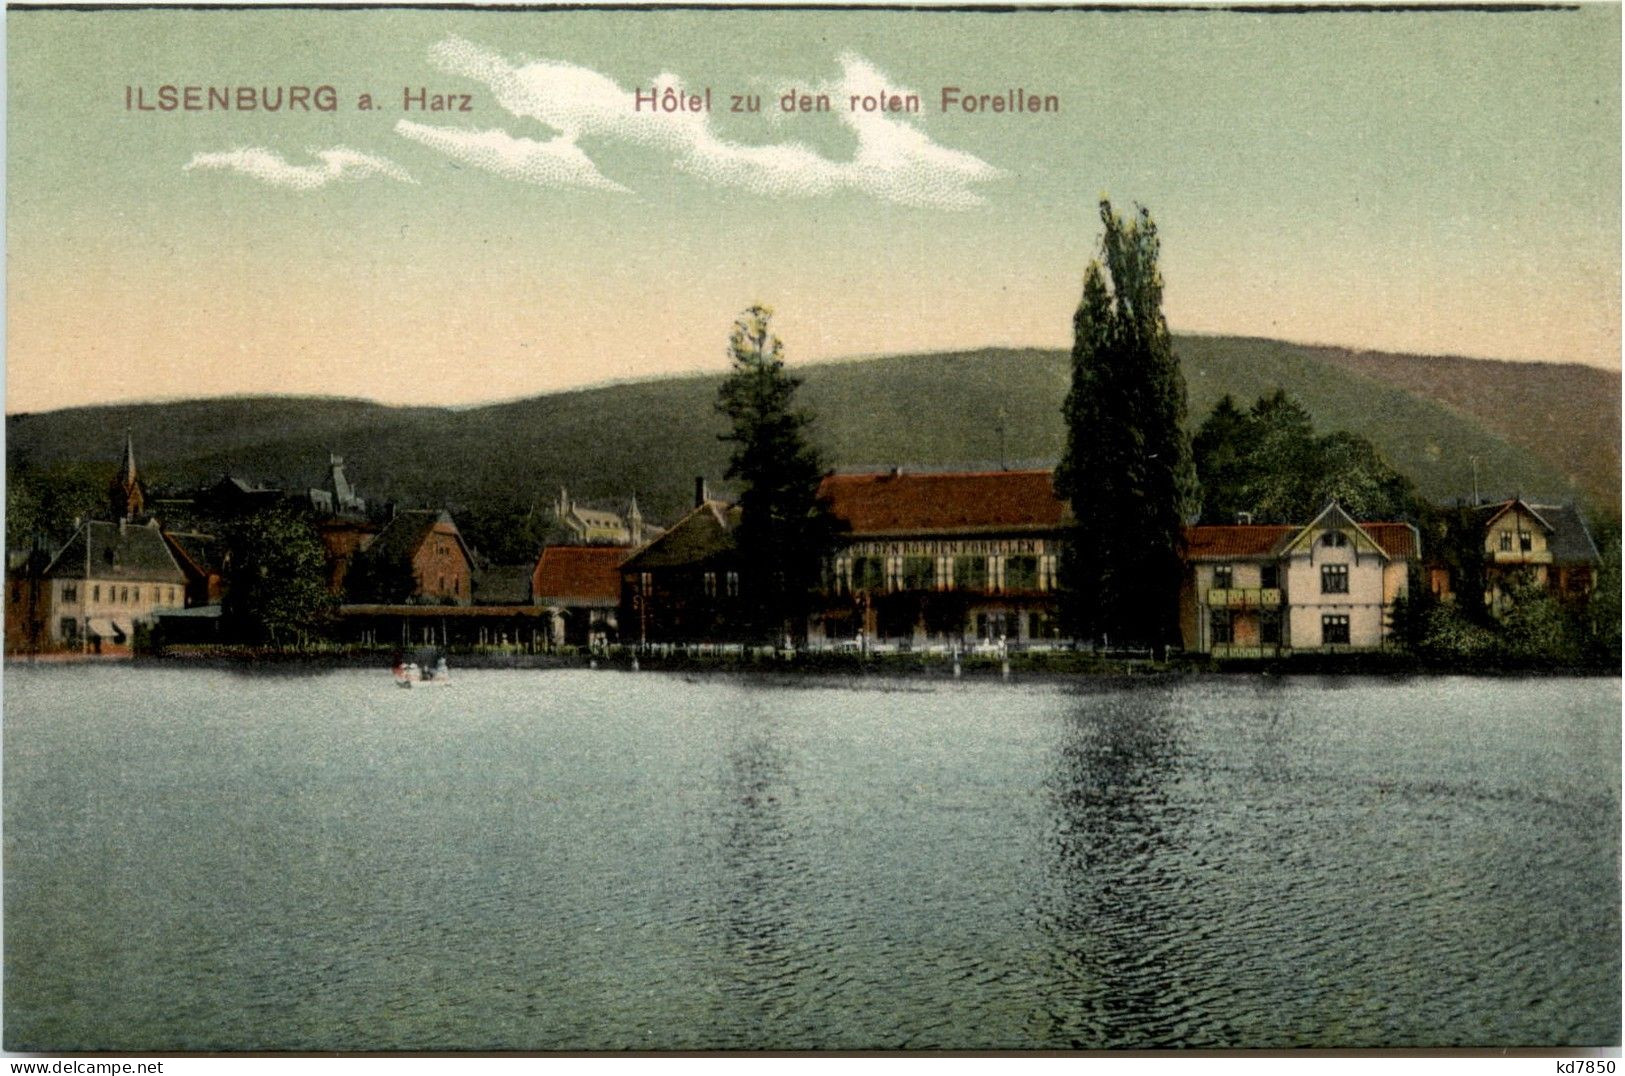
(427, 542)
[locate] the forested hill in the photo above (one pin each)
(1549, 432)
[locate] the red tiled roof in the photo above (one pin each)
(1256, 540)
(889, 503)
(581, 572)
(1396, 539)
(1259, 540)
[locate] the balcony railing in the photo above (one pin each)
(1523, 556)
(1255, 650)
(1243, 597)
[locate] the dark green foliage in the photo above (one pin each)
(1537, 627)
(1269, 463)
(1127, 466)
(1408, 616)
(380, 578)
(1453, 538)
(653, 437)
(1222, 451)
(275, 578)
(1447, 637)
(1600, 619)
(1545, 422)
(505, 531)
(784, 532)
(45, 508)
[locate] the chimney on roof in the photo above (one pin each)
(701, 494)
(1244, 519)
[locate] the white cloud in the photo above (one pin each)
(894, 160)
(268, 166)
(557, 162)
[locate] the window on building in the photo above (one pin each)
(1506, 541)
(1334, 629)
(970, 573)
(124, 595)
(70, 629)
(1046, 572)
(1269, 576)
(710, 584)
(1221, 627)
(1526, 541)
(1224, 577)
(868, 573)
(919, 573)
(839, 578)
(135, 595)
(1269, 627)
(96, 593)
(1334, 578)
(1021, 573)
(837, 575)
(733, 584)
(70, 592)
(1334, 539)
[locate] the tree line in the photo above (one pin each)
(1133, 475)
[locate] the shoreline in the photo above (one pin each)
(1059, 666)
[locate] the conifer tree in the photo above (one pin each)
(784, 532)
(1127, 468)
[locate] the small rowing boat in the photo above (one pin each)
(411, 675)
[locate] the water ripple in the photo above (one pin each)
(599, 861)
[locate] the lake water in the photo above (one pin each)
(200, 860)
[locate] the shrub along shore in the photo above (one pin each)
(1022, 664)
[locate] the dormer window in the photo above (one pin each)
(1506, 541)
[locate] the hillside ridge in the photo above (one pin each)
(650, 437)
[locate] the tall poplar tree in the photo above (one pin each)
(1127, 469)
(784, 532)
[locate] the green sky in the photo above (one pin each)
(1439, 182)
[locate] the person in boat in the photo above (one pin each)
(440, 670)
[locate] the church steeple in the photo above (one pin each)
(634, 522)
(124, 494)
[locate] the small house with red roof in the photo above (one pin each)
(580, 587)
(942, 558)
(1268, 590)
